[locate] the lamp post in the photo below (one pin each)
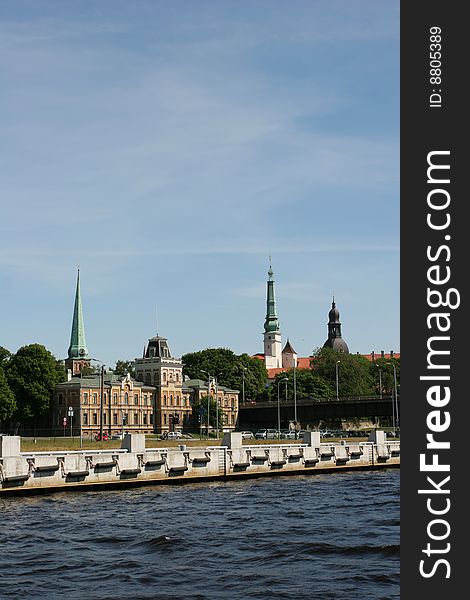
(243, 383)
(380, 380)
(394, 399)
(279, 407)
(337, 379)
(295, 398)
(217, 403)
(208, 398)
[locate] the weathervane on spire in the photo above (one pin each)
(270, 272)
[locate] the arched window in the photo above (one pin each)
(164, 400)
(126, 398)
(136, 399)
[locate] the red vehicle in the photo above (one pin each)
(105, 437)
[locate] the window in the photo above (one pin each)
(164, 418)
(126, 398)
(177, 400)
(85, 418)
(171, 400)
(136, 399)
(95, 398)
(177, 377)
(104, 418)
(164, 376)
(85, 398)
(164, 399)
(151, 418)
(136, 418)
(95, 419)
(115, 419)
(105, 399)
(145, 418)
(114, 398)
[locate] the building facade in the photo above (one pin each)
(164, 372)
(85, 405)
(227, 401)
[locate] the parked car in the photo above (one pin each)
(266, 434)
(171, 435)
(117, 436)
(287, 434)
(247, 435)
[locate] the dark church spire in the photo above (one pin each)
(335, 340)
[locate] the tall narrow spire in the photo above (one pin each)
(77, 348)
(272, 323)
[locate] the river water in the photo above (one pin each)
(300, 537)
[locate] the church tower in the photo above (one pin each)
(335, 340)
(272, 334)
(78, 352)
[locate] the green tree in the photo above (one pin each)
(32, 374)
(5, 356)
(354, 374)
(7, 398)
(123, 367)
(233, 371)
(199, 413)
(386, 376)
(307, 384)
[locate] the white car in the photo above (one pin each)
(171, 435)
(247, 435)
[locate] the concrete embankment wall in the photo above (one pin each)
(134, 464)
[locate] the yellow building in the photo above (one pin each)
(115, 403)
(158, 368)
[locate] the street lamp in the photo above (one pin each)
(337, 379)
(286, 379)
(380, 379)
(243, 383)
(394, 400)
(295, 398)
(208, 397)
(217, 403)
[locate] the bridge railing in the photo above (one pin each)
(309, 400)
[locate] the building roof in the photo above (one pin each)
(288, 349)
(94, 381)
(199, 384)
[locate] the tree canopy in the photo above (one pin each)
(231, 370)
(354, 372)
(123, 367)
(32, 373)
(7, 398)
(307, 385)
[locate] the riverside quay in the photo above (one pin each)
(133, 464)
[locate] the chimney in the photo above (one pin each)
(381, 354)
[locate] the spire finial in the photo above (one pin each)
(333, 302)
(270, 272)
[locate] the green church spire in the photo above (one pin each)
(272, 323)
(77, 348)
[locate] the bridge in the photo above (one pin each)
(254, 416)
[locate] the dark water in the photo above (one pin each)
(302, 537)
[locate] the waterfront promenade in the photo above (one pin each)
(134, 464)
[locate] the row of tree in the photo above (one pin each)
(28, 378)
(353, 374)
(27, 381)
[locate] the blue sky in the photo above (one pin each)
(168, 148)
